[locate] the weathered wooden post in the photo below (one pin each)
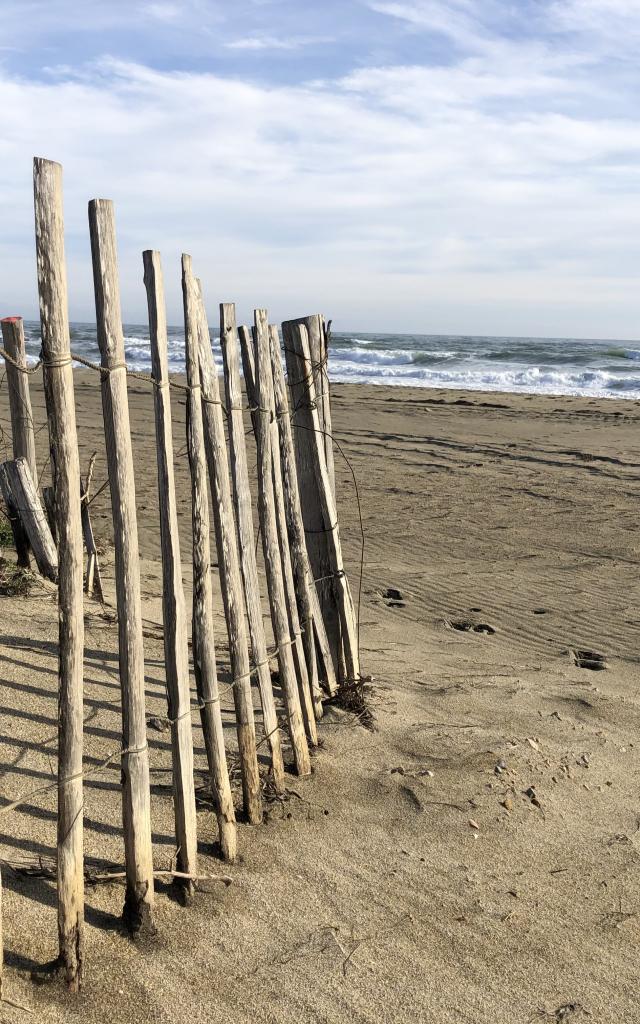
(22, 432)
(271, 545)
(33, 518)
(305, 586)
(229, 567)
(295, 629)
(242, 500)
(203, 645)
(176, 651)
(115, 404)
(61, 413)
(328, 511)
(300, 377)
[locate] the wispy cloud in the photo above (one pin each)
(491, 189)
(275, 42)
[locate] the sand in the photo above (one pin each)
(474, 858)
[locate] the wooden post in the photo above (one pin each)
(19, 535)
(33, 518)
(229, 567)
(115, 404)
(300, 378)
(49, 501)
(297, 648)
(204, 654)
(61, 413)
(329, 514)
(242, 501)
(176, 650)
(22, 432)
(305, 586)
(271, 546)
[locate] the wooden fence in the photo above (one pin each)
(312, 613)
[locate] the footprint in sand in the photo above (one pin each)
(464, 626)
(394, 598)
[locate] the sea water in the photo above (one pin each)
(547, 366)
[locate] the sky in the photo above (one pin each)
(426, 166)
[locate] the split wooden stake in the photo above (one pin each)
(244, 517)
(176, 651)
(63, 440)
(329, 513)
(115, 403)
(204, 654)
(305, 586)
(271, 545)
(230, 573)
(22, 432)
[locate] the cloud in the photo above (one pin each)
(275, 43)
(471, 194)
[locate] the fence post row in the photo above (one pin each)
(246, 538)
(176, 650)
(63, 441)
(229, 567)
(135, 754)
(203, 644)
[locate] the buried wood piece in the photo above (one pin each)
(229, 567)
(305, 586)
(348, 626)
(33, 518)
(63, 443)
(115, 404)
(19, 536)
(174, 616)
(246, 538)
(22, 432)
(203, 644)
(271, 545)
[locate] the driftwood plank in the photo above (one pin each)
(204, 654)
(63, 440)
(115, 405)
(244, 517)
(33, 518)
(305, 587)
(230, 572)
(22, 432)
(271, 545)
(176, 651)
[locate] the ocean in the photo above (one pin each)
(546, 366)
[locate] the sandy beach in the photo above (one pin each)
(474, 856)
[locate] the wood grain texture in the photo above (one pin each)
(63, 442)
(176, 651)
(303, 577)
(22, 432)
(271, 545)
(33, 518)
(203, 643)
(300, 378)
(115, 404)
(348, 624)
(230, 572)
(19, 536)
(246, 537)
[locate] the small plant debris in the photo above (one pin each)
(355, 696)
(14, 581)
